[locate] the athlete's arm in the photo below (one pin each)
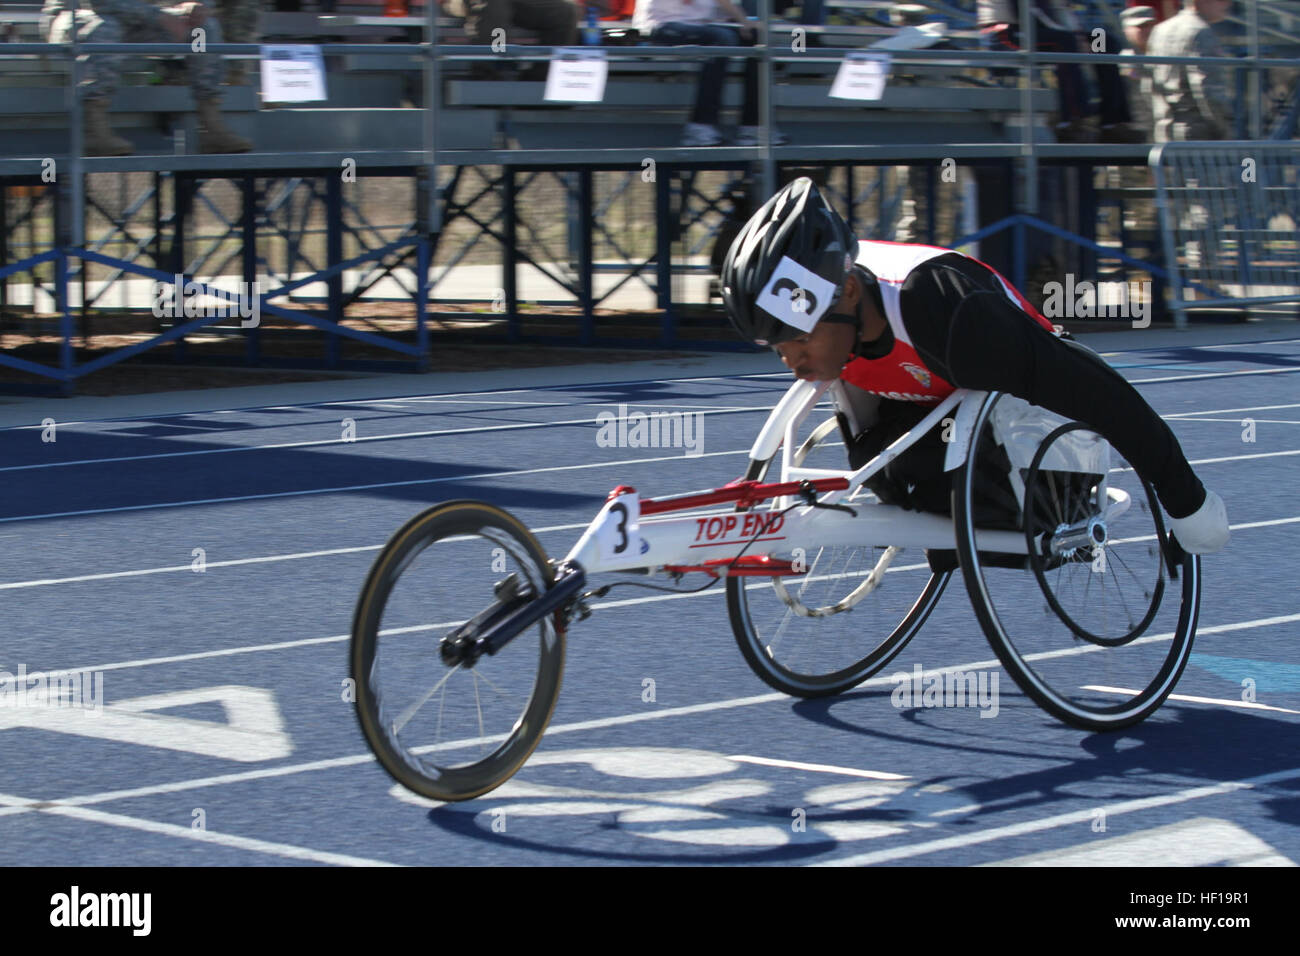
(940, 291)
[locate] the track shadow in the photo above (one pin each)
(1183, 746)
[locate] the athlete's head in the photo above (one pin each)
(819, 355)
(785, 277)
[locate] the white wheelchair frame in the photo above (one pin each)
(619, 540)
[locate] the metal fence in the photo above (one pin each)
(1230, 219)
(1185, 254)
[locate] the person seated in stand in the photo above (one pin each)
(1056, 30)
(123, 21)
(691, 22)
(911, 323)
(552, 22)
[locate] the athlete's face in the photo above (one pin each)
(819, 355)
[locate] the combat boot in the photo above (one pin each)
(99, 138)
(214, 135)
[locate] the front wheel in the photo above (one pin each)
(1095, 623)
(845, 616)
(451, 731)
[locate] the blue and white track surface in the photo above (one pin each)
(224, 737)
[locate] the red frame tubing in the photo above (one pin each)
(746, 566)
(744, 493)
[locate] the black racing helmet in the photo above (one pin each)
(795, 224)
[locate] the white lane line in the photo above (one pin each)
(1188, 378)
(431, 433)
(1237, 421)
(360, 549)
(817, 767)
(1224, 411)
(285, 850)
(358, 440)
(1059, 820)
(107, 575)
(555, 404)
(265, 559)
(578, 386)
(599, 723)
(627, 602)
(1224, 345)
(1262, 524)
(477, 476)
(354, 760)
(1265, 454)
(337, 638)
(1242, 704)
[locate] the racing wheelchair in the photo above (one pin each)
(458, 637)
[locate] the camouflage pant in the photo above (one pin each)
(100, 74)
(239, 20)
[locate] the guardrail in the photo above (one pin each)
(768, 53)
(1229, 216)
(767, 50)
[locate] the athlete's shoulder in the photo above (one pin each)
(951, 274)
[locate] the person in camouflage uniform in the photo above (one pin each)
(1138, 23)
(112, 21)
(1139, 212)
(239, 25)
(1191, 102)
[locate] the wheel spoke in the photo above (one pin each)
(1091, 633)
(445, 565)
(405, 716)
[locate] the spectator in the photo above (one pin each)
(1057, 31)
(1190, 102)
(811, 12)
(1139, 211)
(1138, 23)
(105, 22)
(238, 25)
(554, 21)
(688, 22)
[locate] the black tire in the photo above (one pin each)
(395, 651)
(1059, 657)
(1053, 498)
(850, 649)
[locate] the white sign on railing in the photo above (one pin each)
(577, 75)
(292, 73)
(862, 76)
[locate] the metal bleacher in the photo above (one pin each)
(400, 110)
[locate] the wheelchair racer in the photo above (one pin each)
(908, 324)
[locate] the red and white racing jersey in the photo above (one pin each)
(901, 374)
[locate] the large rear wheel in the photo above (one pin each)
(1096, 622)
(847, 612)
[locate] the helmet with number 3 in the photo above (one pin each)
(795, 224)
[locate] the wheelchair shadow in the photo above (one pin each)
(1182, 745)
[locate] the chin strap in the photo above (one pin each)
(843, 318)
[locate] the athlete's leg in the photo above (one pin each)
(992, 345)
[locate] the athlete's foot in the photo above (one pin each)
(1205, 530)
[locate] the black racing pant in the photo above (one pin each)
(990, 345)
